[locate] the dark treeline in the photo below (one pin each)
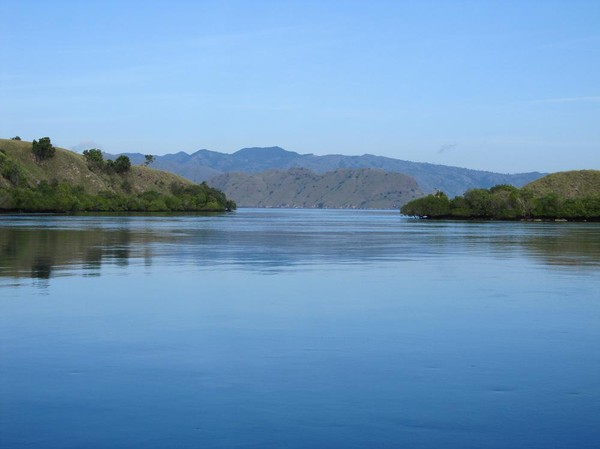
(62, 197)
(504, 202)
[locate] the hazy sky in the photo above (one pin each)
(505, 86)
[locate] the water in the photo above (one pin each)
(298, 328)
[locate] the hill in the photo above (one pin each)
(573, 195)
(568, 184)
(24, 179)
(302, 188)
(204, 164)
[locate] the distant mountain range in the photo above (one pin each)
(203, 165)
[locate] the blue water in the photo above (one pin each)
(297, 329)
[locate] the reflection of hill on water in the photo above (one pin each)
(273, 241)
(38, 252)
(575, 246)
(41, 253)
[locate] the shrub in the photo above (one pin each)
(122, 164)
(43, 149)
(436, 205)
(126, 186)
(11, 170)
(94, 158)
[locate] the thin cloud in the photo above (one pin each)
(446, 147)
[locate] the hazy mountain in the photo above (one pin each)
(363, 188)
(204, 164)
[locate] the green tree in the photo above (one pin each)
(503, 204)
(548, 205)
(524, 202)
(12, 171)
(43, 149)
(503, 188)
(459, 207)
(94, 157)
(149, 159)
(480, 202)
(436, 205)
(16, 138)
(122, 164)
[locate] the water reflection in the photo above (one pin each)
(571, 247)
(269, 241)
(40, 253)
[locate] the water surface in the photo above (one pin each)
(298, 328)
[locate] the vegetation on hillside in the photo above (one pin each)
(569, 184)
(56, 180)
(61, 197)
(568, 195)
(43, 149)
(96, 162)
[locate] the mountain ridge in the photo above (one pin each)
(203, 165)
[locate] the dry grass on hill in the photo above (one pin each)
(568, 184)
(72, 168)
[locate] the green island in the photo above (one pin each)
(571, 195)
(38, 177)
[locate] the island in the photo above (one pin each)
(38, 177)
(570, 196)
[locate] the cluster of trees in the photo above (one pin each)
(57, 196)
(42, 149)
(504, 202)
(62, 197)
(96, 161)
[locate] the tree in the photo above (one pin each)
(149, 159)
(122, 164)
(16, 138)
(548, 205)
(43, 149)
(94, 157)
(436, 205)
(479, 202)
(525, 203)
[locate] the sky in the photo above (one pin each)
(506, 86)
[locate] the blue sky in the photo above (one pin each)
(505, 86)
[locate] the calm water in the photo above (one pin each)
(298, 329)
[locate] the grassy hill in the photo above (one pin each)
(22, 175)
(568, 184)
(299, 187)
(72, 168)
